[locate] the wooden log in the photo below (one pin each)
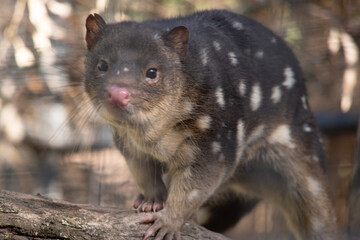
(25, 216)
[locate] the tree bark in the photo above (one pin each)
(25, 216)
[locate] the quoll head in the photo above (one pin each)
(132, 69)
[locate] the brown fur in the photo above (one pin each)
(191, 139)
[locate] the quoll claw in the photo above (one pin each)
(160, 229)
(144, 205)
(138, 200)
(157, 206)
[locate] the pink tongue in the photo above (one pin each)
(119, 96)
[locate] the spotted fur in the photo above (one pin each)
(221, 122)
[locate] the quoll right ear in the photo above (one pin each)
(94, 24)
(178, 37)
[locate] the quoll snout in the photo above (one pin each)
(118, 96)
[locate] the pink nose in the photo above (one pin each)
(119, 96)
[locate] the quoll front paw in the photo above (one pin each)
(148, 205)
(163, 227)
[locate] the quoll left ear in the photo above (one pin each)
(94, 24)
(178, 38)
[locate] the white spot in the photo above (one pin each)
(118, 72)
(220, 97)
(289, 78)
(255, 98)
(238, 25)
(204, 56)
(273, 40)
(126, 69)
(188, 107)
(240, 135)
(233, 58)
(306, 128)
(156, 36)
(242, 88)
(204, 122)
(282, 136)
(276, 94)
(217, 45)
(304, 103)
(193, 194)
(314, 186)
(259, 54)
(315, 159)
(215, 147)
(256, 134)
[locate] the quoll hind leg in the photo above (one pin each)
(224, 210)
(295, 186)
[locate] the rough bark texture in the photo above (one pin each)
(34, 217)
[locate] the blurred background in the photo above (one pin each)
(52, 143)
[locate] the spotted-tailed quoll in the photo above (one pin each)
(210, 111)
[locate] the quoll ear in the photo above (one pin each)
(178, 38)
(94, 24)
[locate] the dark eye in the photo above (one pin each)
(102, 66)
(151, 73)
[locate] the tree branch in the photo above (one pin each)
(25, 216)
